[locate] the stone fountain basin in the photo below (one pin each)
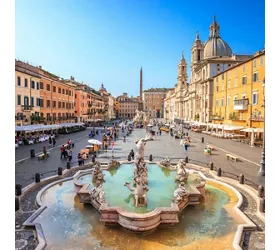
(138, 222)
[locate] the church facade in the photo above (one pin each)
(194, 100)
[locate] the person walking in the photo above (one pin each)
(132, 154)
(54, 142)
(50, 141)
(106, 146)
(70, 155)
(84, 157)
(186, 145)
(79, 159)
(45, 152)
(62, 150)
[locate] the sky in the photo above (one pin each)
(108, 41)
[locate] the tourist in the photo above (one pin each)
(132, 154)
(70, 154)
(50, 141)
(62, 150)
(84, 157)
(79, 159)
(45, 152)
(53, 141)
(186, 145)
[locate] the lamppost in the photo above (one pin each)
(262, 163)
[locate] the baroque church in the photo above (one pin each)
(194, 100)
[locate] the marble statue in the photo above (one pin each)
(114, 163)
(97, 193)
(139, 192)
(97, 172)
(140, 117)
(140, 174)
(180, 193)
(182, 174)
(165, 162)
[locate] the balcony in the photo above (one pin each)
(236, 117)
(241, 104)
(27, 107)
(257, 118)
(217, 117)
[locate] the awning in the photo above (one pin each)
(255, 130)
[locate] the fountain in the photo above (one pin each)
(142, 197)
(140, 118)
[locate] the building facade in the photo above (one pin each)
(27, 93)
(169, 105)
(194, 100)
(239, 94)
(154, 102)
(127, 106)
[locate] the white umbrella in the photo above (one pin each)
(95, 142)
(172, 126)
(150, 125)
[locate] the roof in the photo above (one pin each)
(257, 54)
(157, 90)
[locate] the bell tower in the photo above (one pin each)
(182, 72)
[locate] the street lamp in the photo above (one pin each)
(262, 163)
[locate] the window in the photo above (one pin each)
(54, 104)
(228, 84)
(59, 90)
(54, 89)
(32, 101)
(66, 91)
(261, 60)
(18, 81)
(48, 87)
(26, 101)
(222, 103)
(255, 98)
(67, 105)
(38, 102)
(255, 77)
(48, 103)
(59, 105)
(223, 76)
(42, 103)
(217, 102)
(254, 63)
(38, 85)
(244, 80)
(75, 95)
(41, 85)
(63, 91)
(198, 55)
(235, 82)
(228, 100)
(48, 116)
(19, 100)
(217, 88)
(32, 84)
(63, 104)
(26, 83)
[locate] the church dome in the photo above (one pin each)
(216, 46)
(102, 88)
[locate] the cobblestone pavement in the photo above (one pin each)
(162, 146)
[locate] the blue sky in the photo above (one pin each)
(108, 40)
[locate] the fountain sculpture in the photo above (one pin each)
(140, 174)
(140, 117)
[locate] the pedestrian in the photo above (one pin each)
(45, 152)
(54, 142)
(106, 147)
(79, 159)
(70, 154)
(50, 141)
(84, 157)
(132, 154)
(62, 150)
(186, 145)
